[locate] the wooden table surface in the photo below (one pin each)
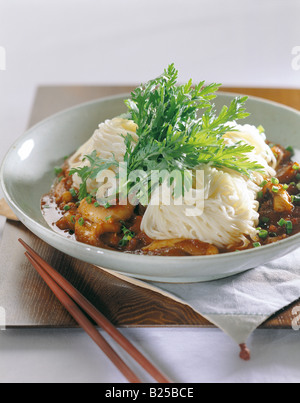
(27, 300)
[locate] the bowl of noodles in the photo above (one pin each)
(173, 183)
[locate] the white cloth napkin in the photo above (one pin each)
(241, 303)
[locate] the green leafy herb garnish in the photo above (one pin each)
(128, 235)
(91, 172)
(178, 129)
(57, 171)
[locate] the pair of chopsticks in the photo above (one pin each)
(75, 303)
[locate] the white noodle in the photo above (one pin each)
(230, 205)
(108, 141)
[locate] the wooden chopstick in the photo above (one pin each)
(49, 273)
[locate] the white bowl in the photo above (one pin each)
(27, 173)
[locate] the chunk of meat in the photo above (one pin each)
(67, 221)
(89, 232)
(287, 172)
(192, 247)
(61, 190)
(92, 221)
(165, 243)
(281, 154)
(113, 214)
(282, 201)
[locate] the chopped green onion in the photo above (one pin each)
(289, 227)
(260, 129)
(265, 220)
(263, 234)
(108, 218)
(67, 208)
(285, 187)
(107, 205)
(128, 235)
(260, 195)
(298, 186)
(281, 222)
(73, 219)
(263, 183)
(89, 199)
(275, 181)
(296, 199)
(275, 189)
(256, 244)
(96, 204)
(81, 221)
(291, 150)
(57, 170)
(298, 177)
(73, 192)
(296, 167)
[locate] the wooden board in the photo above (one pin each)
(27, 300)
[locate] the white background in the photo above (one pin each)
(234, 42)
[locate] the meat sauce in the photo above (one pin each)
(119, 227)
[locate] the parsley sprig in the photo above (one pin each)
(173, 136)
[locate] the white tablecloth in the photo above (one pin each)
(247, 43)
